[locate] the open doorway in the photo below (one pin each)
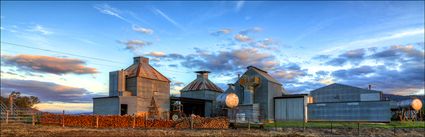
(124, 109)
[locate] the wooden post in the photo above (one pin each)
(63, 118)
(394, 129)
(303, 126)
(331, 127)
(134, 121)
(358, 128)
(33, 119)
(249, 125)
(97, 121)
(7, 116)
(146, 119)
(191, 122)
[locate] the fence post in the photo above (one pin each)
(191, 122)
(331, 128)
(249, 125)
(394, 129)
(97, 121)
(33, 119)
(7, 116)
(134, 120)
(63, 118)
(358, 128)
(146, 119)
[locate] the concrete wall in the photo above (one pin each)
(372, 111)
(106, 106)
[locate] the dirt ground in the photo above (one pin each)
(40, 130)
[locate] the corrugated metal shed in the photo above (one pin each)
(291, 107)
(371, 111)
(338, 102)
(342, 93)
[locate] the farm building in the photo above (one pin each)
(338, 102)
(256, 90)
(291, 107)
(136, 90)
(198, 97)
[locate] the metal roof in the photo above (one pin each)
(202, 83)
(144, 70)
(264, 74)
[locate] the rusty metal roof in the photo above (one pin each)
(202, 83)
(145, 70)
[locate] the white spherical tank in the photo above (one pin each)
(229, 100)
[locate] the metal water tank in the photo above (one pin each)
(415, 104)
(229, 100)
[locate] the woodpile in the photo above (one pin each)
(127, 121)
(201, 122)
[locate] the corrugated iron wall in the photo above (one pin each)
(373, 111)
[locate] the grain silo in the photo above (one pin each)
(138, 89)
(198, 97)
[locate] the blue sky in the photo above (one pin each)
(305, 45)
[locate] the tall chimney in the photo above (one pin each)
(239, 76)
(370, 87)
(141, 59)
(202, 74)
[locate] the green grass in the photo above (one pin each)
(392, 124)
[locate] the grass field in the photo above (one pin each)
(392, 124)
(17, 129)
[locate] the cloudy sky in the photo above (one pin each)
(62, 52)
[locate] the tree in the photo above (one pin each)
(21, 101)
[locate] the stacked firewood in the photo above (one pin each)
(79, 120)
(201, 122)
(127, 121)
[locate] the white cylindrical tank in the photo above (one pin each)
(415, 104)
(229, 100)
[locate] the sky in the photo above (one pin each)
(63, 52)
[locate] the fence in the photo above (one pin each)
(18, 116)
(347, 128)
(115, 121)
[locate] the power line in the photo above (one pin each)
(94, 58)
(53, 51)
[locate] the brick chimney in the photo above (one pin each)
(141, 59)
(203, 74)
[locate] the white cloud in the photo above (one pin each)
(108, 10)
(40, 29)
(242, 38)
(364, 43)
(239, 5)
(156, 54)
(165, 16)
(142, 30)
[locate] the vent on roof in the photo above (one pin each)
(141, 59)
(203, 74)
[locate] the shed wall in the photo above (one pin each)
(290, 109)
(106, 106)
(372, 111)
